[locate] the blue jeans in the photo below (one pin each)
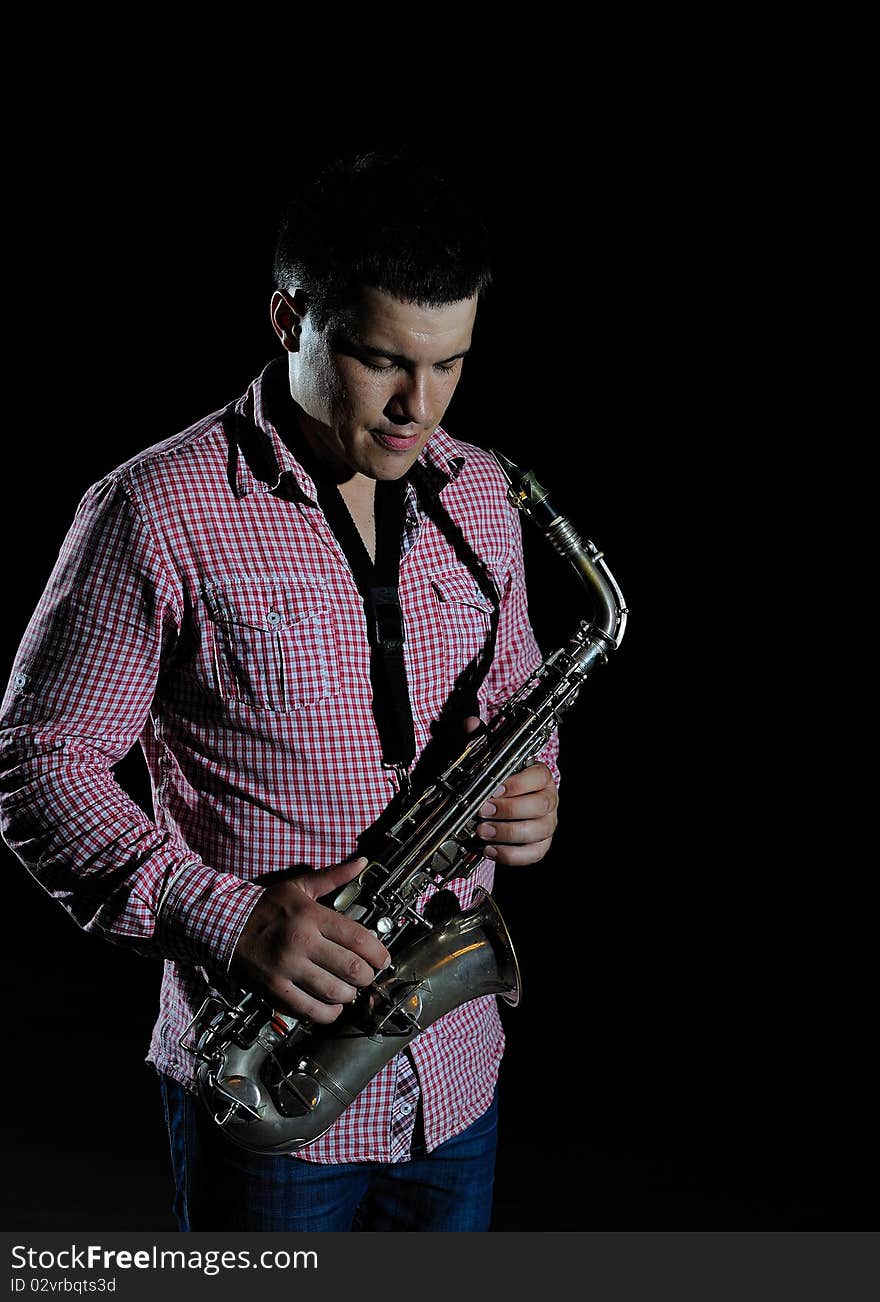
(220, 1186)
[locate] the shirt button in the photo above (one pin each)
(21, 680)
(405, 1109)
(273, 617)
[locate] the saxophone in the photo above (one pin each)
(274, 1083)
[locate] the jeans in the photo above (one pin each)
(220, 1186)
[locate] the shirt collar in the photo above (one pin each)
(260, 459)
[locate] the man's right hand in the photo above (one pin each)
(310, 959)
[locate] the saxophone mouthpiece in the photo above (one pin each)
(523, 490)
(509, 469)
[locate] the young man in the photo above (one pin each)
(212, 602)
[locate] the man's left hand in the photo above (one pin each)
(520, 827)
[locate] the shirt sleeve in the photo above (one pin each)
(517, 654)
(80, 693)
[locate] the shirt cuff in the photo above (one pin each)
(203, 914)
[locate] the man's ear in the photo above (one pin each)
(286, 314)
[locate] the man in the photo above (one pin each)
(212, 602)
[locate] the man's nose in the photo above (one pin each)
(413, 401)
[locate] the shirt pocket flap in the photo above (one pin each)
(264, 605)
(457, 587)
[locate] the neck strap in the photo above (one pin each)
(378, 585)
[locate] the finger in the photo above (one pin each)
(344, 966)
(472, 723)
(524, 831)
(291, 998)
(517, 855)
(534, 778)
(322, 985)
(535, 804)
(325, 880)
(350, 935)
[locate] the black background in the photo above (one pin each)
(680, 1059)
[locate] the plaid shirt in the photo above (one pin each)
(202, 607)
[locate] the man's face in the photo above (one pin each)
(374, 387)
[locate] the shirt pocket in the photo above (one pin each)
(273, 642)
(464, 619)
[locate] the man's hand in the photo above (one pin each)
(522, 814)
(309, 958)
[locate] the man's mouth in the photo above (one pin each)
(397, 442)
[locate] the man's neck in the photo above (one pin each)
(294, 427)
(356, 490)
(359, 495)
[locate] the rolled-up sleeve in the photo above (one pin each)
(517, 654)
(82, 688)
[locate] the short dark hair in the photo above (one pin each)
(387, 220)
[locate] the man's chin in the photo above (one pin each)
(389, 473)
(386, 462)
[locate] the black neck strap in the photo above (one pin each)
(378, 585)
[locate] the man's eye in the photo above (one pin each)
(393, 366)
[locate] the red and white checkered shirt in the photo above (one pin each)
(202, 607)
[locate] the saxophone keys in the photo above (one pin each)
(242, 1092)
(298, 1093)
(404, 1005)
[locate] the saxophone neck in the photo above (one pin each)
(527, 495)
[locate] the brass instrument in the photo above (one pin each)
(274, 1083)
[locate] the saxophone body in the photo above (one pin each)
(274, 1083)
